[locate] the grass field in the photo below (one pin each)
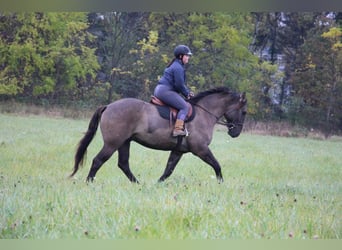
(274, 187)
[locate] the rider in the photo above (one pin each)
(173, 83)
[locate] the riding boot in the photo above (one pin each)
(179, 129)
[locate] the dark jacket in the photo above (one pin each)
(174, 77)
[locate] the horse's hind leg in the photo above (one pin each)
(171, 164)
(123, 161)
(105, 153)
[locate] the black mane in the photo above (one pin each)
(200, 95)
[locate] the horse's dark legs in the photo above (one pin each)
(105, 153)
(123, 161)
(209, 158)
(171, 164)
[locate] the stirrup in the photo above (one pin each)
(184, 132)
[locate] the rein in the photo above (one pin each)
(229, 125)
(217, 118)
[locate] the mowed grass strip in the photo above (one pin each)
(274, 187)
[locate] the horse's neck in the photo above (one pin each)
(215, 104)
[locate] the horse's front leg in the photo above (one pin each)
(171, 164)
(207, 156)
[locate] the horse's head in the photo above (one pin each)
(235, 116)
(233, 107)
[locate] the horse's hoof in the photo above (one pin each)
(90, 179)
(135, 182)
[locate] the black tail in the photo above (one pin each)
(87, 138)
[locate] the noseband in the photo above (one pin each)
(230, 125)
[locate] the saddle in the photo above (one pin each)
(170, 113)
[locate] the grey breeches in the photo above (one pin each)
(173, 99)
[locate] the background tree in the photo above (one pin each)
(149, 64)
(317, 79)
(45, 55)
(277, 39)
(334, 85)
(117, 34)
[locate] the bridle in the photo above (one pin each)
(229, 125)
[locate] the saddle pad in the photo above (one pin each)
(164, 112)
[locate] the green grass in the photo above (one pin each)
(274, 188)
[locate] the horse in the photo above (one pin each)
(131, 119)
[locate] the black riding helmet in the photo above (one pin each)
(182, 50)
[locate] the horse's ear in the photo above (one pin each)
(243, 97)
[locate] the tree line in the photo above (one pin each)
(289, 64)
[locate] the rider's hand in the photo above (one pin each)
(191, 94)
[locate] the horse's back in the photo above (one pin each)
(127, 109)
(125, 102)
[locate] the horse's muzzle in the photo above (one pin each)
(234, 130)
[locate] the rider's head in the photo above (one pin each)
(182, 50)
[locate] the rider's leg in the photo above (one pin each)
(173, 99)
